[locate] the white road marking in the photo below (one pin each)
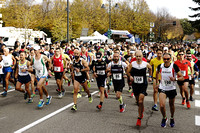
(197, 120)
(197, 93)
(8, 91)
(196, 80)
(2, 118)
(196, 86)
(47, 117)
(197, 103)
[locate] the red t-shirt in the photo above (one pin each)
(134, 59)
(58, 64)
(183, 66)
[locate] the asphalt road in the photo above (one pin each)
(18, 116)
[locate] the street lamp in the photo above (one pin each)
(109, 12)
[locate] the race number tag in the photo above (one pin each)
(190, 77)
(183, 73)
(138, 79)
(117, 76)
(167, 83)
(6, 64)
(101, 72)
(57, 69)
(78, 73)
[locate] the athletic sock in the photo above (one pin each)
(120, 100)
(101, 103)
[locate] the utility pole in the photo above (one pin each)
(67, 21)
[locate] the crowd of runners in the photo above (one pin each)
(162, 64)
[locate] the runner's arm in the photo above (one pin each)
(30, 69)
(85, 64)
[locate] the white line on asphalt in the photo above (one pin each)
(197, 93)
(8, 91)
(196, 86)
(196, 81)
(47, 117)
(197, 120)
(197, 103)
(2, 118)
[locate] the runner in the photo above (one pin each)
(57, 60)
(38, 62)
(99, 70)
(154, 63)
(9, 64)
(79, 69)
(167, 87)
(137, 73)
(22, 74)
(191, 80)
(116, 68)
(183, 64)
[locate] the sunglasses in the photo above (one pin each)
(166, 58)
(181, 54)
(189, 56)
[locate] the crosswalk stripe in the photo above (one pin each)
(196, 86)
(197, 120)
(197, 93)
(197, 103)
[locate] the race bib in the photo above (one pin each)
(183, 73)
(78, 73)
(167, 83)
(101, 72)
(57, 69)
(6, 64)
(117, 76)
(190, 77)
(138, 79)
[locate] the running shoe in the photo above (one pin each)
(130, 89)
(79, 95)
(188, 104)
(164, 122)
(155, 108)
(122, 108)
(60, 95)
(138, 122)
(30, 100)
(4, 93)
(191, 98)
(82, 89)
(63, 92)
(58, 90)
(172, 123)
(88, 83)
(52, 73)
(110, 83)
(132, 94)
(92, 80)
(99, 106)
(40, 104)
(69, 82)
(9, 87)
(90, 99)
(183, 101)
(74, 108)
(73, 91)
(105, 94)
(33, 95)
(25, 95)
(49, 100)
(66, 81)
(108, 91)
(47, 82)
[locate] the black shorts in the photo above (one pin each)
(24, 79)
(33, 72)
(58, 75)
(180, 83)
(118, 86)
(101, 81)
(139, 89)
(192, 82)
(80, 79)
(170, 94)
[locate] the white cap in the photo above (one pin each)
(165, 48)
(132, 52)
(36, 47)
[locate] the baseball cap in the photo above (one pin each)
(165, 48)
(36, 47)
(98, 55)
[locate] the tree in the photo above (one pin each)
(196, 23)
(187, 27)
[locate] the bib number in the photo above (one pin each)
(6, 64)
(183, 73)
(167, 83)
(138, 79)
(117, 76)
(78, 73)
(101, 72)
(57, 69)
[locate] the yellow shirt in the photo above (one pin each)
(66, 57)
(155, 63)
